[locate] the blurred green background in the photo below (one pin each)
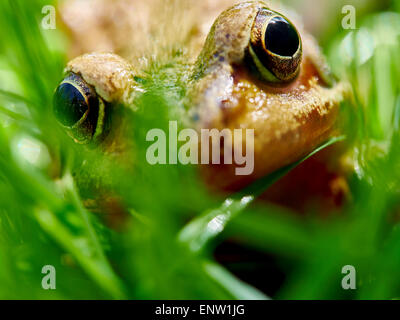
(168, 248)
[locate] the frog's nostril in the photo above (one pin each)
(70, 105)
(281, 38)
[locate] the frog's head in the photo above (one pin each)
(259, 70)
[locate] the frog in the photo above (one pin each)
(248, 66)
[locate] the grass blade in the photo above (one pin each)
(212, 223)
(236, 287)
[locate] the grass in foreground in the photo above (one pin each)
(161, 254)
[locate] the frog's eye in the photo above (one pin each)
(78, 109)
(275, 47)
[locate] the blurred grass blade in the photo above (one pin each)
(13, 115)
(272, 230)
(209, 225)
(397, 115)
(91, 261)
(236, 287)
(15, 97)
(48, 210)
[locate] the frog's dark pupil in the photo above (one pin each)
(281, 37)
(69, 104)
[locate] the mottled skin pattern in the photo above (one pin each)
(289, 120)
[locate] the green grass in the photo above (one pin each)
(166, 249)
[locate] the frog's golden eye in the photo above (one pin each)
(275, 47)
(78, 109)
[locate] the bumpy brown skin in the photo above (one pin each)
(110, 75)
(288, 121)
